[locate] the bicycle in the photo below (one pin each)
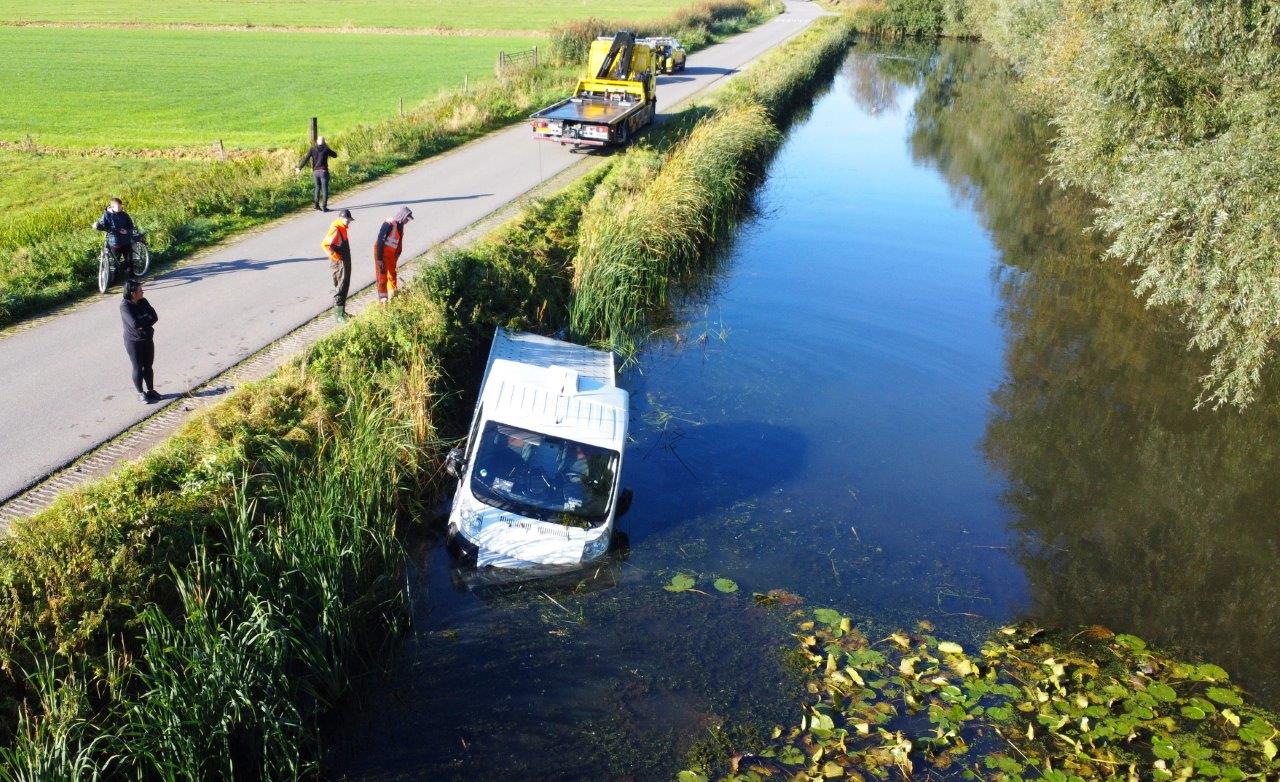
(111, 268)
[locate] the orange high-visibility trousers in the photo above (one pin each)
(386, 274)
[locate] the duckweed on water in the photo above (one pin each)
(1028, 705)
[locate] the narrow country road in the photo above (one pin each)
(66, 380)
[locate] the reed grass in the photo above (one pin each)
(636, 247)
(641, 243)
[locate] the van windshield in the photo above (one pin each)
(543, 477)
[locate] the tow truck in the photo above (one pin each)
(614, 100)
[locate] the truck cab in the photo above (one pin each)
(538, 477)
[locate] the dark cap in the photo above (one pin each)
(346, 215)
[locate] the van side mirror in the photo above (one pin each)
(624, 503)
(454, 464)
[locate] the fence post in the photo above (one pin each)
(466, 82)
(221, 150)
(315, 130)
(535, 57)
(402, 106)
(502, 62)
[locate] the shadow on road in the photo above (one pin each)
(707, 70)
(418, 201)
(198, 272)
(673, 79)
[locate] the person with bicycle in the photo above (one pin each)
(118, 226)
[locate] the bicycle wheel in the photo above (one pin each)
(104, 271)
(141, 260)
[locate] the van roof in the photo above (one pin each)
(556, 388)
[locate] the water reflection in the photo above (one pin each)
(1133, 510)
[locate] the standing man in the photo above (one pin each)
(338, 245)
(139, 331)
(386, 252)
(318, 156)
(118, 226)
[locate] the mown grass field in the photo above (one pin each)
(163, 88)
(31, 182)
(458, 14)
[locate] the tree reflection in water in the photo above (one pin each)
(1131, 509)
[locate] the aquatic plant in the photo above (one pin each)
(1028, 704)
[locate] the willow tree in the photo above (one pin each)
(1169, 111)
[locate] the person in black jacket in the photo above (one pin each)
(318, 156)
(140, 319)
(118, 226)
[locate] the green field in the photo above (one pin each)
(458, 14)
(34, 182)
(162, 88)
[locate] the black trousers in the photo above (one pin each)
(321, 195)
(122, 255)
(341, 279)
(142, 353)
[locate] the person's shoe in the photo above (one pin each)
(324, 208)
(153, 396)
(143, 398)
(340, 313)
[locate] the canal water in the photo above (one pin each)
(915, 390)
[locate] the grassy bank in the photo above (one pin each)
(202, 606)
(642, 242)
(48, 254)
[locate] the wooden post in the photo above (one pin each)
(466, 82)
(402, 106)
(221, 150)
(315, 130)
(535, 58)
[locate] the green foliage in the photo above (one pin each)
(1029, 705)
(1169, 112)
(908, 18)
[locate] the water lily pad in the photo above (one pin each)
(690, 776)
(681, 582)
(827, 616)
(726, 586)
(1224, 696)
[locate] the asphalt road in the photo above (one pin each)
(66, 387)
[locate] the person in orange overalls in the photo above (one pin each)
(386, 252)
(338, 245)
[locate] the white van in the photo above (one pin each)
(538, 477)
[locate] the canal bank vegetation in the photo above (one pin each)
(1170, 114)
(642, 242)
(204, 606)
(49, 252)
(1026, 705)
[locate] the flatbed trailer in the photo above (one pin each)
(612, 102)
(590, 121)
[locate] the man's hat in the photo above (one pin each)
(345, 214)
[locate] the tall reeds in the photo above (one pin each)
(274, 609)
(634, 248)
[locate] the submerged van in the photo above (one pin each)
(538, 477)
